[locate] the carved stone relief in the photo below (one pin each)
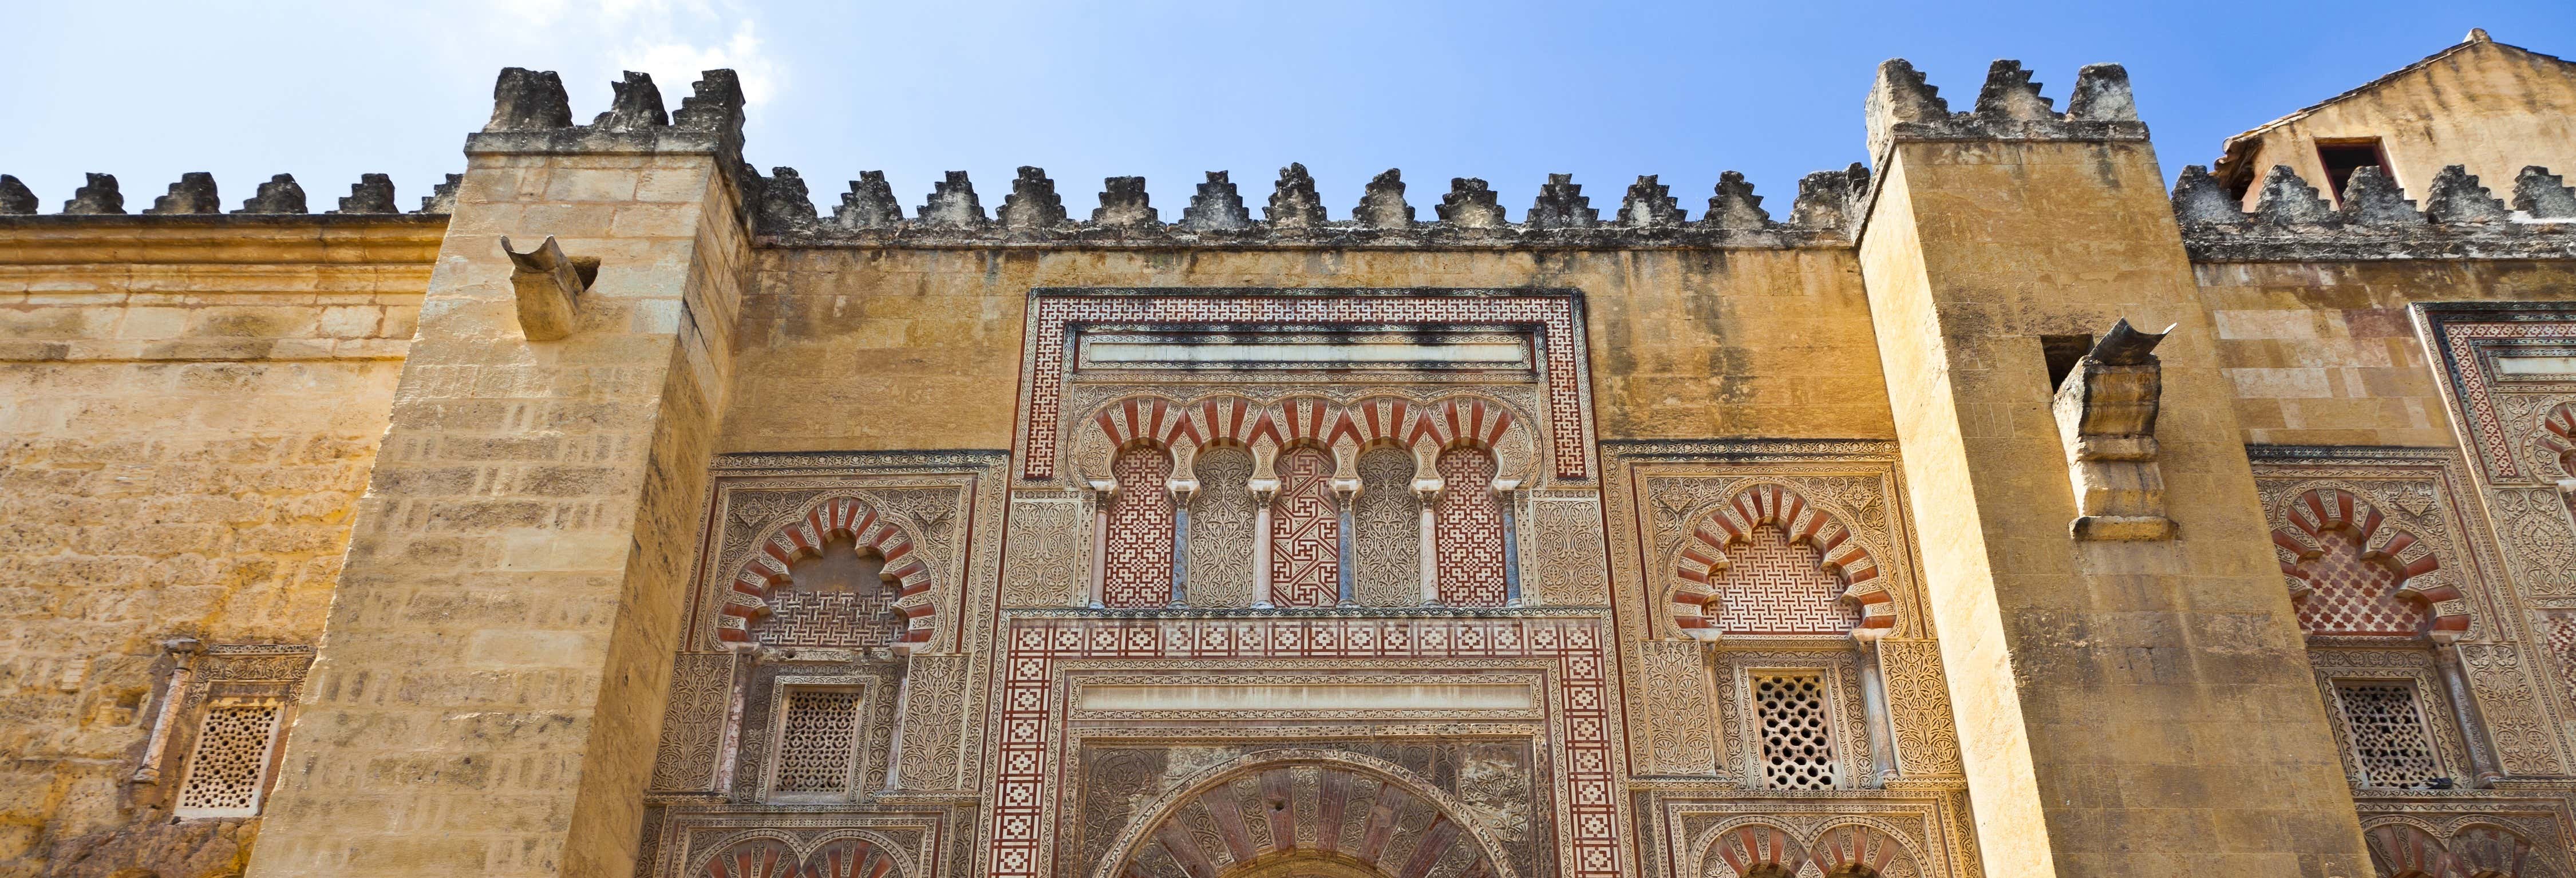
(1221, 522)
(1387, 522)
(1684, 740)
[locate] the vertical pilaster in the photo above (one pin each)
(489, 688)
(2128, 707)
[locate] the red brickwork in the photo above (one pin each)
(1305, 532)
(1137, 568)
(1467, 529)
(2354, 573)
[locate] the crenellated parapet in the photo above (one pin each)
(1904, 106)
(532, 113)
(196, 194)
(2457, 217)
(1469, 215)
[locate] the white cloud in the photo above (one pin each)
(678, 63)
(674, 40)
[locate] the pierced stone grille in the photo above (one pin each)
(1773, 586)
(1467, 524)
(2562, 644)
(1797, 735)
(224, 770)
(817, 740)
(2353, 596)
(1305, 533)
(2388, 737)
(1137, 571)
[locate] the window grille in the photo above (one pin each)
(1797, 737)
(229, 762)
(816, 741)
(2389, 741)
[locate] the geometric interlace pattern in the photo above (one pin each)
(1137, 568)
(857, 613)
(2562, 644)
(817, 741)
(1773, 586)
(2388, 736)
(231, 755)
(1305, 533)
(2351, 596)
(1797, 739)
(1468, 531)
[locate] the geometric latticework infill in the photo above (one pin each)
(2354, 573)
(1797, 731)
(817, 741)
(2388, 738)
(1773, 586)
(2348, 595)
(1136, 570)
(843, 857)
(1305, 532)
(1467, 525)
(2562, 646)
(838, 598)
(1303, 820)
(231, 755)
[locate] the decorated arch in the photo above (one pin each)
(2354, 572)
(766, 853)
(1355, 816)
(1841, 592)
(755, 585)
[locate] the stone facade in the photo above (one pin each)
(1986, 510)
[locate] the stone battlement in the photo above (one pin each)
(2459, 218)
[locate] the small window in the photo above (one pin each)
(2341, 157)
(1797, 736)
(229, 766)
(2389, 742)
(818, 739)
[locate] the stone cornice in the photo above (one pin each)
(221, 239)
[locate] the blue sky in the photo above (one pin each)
(1505, 91)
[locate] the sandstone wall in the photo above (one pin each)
(920, 348)
(2323, 353)
(189, 409)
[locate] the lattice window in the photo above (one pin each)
(2353, 596)
(1774, 586)
(818, 741)
(1137, 571)
(1467, 523)
(230, 761)
(1797, 730)
(2389, 741)
(1387, 525)
(2562, 644)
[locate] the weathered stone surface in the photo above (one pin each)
(442, 197)
(2198, 198)
(279, 195)
(952, 204)
(2457, 197)
(98, 196)
(2290, 201)
(1124, 204)
(529, 100)
(636, 107)
(2542, 194)
(1734, 206)
(1649, 205)
(1293, 202)
(783, 204)
(1470, 204)
(1831, 200)
(1382, 204)
(1217, 207)
(1033, 203)
(15, 199)
(2371, 199)
(194, 193)
(1561, 204)
(869, 204)
(2010, 95)
(714, 105)
(373, 193)
(2102, 95)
